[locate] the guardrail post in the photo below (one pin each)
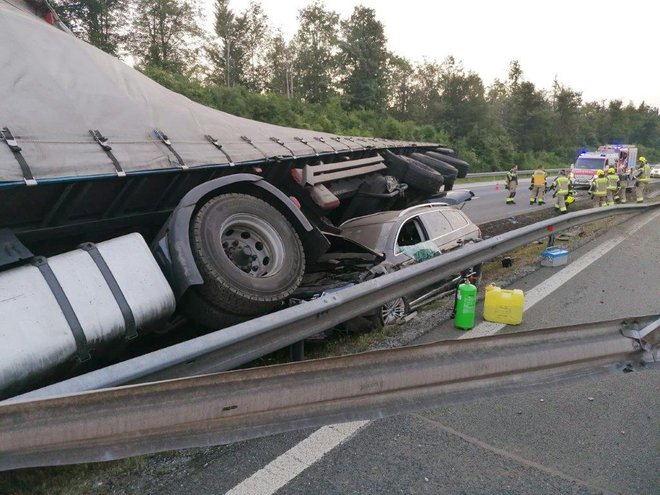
(297, 351)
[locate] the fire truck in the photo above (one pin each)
(621, 157)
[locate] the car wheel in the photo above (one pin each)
(248, 253)
(394, 311)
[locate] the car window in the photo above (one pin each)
(437, 224)
(411, 233)
(455, 218)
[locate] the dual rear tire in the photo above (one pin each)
(249, 255)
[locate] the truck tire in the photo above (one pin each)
(248, 253)
(415, 174)
(460, 165)
(422, 177)
(447, 151)
(207, 315)
(396, 165)
(438, 165)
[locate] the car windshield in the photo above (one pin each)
(590, 163)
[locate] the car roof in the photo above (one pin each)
(390, 216)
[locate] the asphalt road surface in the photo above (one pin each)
(490, 204)
(597, 435)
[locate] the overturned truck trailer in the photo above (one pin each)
(232, 210)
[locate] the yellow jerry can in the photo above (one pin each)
(504, 306)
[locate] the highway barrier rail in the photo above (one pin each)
(63, 424)
(231, 347)
(237, 405)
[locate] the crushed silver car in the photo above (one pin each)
(386, 242)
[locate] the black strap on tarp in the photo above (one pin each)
(281, 143)
(306, 143)
(217, 144)
(249, 141)
(166, 141)
(105, 146)
(126, 311)
(16, 150)
(351, 140)
(82, 348)
(321, 140)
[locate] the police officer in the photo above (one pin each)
(538, 186)
(512, 184)
(643, 176)
(613, 184)
(561, 186)
(598, 189)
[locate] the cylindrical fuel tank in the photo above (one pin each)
(56, 311)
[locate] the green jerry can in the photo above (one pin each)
(466, 303)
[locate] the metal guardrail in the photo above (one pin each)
(520, 172)
(231, 347)
(232, 406)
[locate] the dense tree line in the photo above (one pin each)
(336, 75)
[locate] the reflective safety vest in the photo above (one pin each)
(512, 177)
(645, 173)
(599, 186)
(562, 185)
(538, 177)
(612, 182)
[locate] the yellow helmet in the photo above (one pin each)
(642, 159)
(611, 170)
(599, 173)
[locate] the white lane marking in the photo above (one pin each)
(286, 467)
(289, 465)
(553, 283)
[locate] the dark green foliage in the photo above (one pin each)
(363, 59)
(164, 32)
(99, 22)
(315, 63)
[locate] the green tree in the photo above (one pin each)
(280, 66)
(315, 63)
(363, 59)
(566, 105)
(462, 103)
(220, 53)
(99, 22)
(400, 85)
(165, 33)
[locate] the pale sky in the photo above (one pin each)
(606, 49)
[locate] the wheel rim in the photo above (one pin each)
(252, 245)
(393, 311)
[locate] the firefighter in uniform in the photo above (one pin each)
(613, 184)
(538, 186)
(512, 185)
(561, 187)
(598, 189)
(643, 176)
